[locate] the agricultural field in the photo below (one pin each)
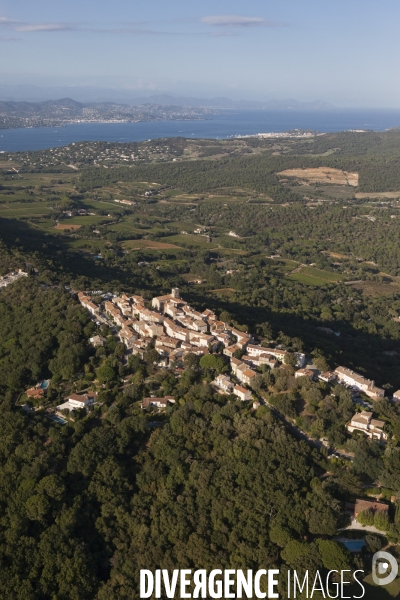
(322, 175)
(283, 266)
(149, 244)
(19, 210)
(191, 240)
(317, 277)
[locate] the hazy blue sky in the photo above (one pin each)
(342, 51)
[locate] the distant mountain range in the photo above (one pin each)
(31, 93)
(227, 103)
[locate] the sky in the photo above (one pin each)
(345, 52)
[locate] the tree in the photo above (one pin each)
(366, 517)
(265, 330)
(381, 521)
(119, 350)
(279, 535)
(293, 550)
(133, 392)
(37, 507)
(152, 356)
(53, 486)
(105, 374)
(320, 360)
(290, 359)
(211, 361)
(334, 555)
(302, 555)
(368, 459)
(373, 542)
(133, 362)
(225, 316)
(191, 360)
(257, 383)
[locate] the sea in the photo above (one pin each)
(225, 125)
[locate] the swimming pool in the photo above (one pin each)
(45, 384)
(57, 419)
(352, 545)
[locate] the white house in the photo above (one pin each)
(238, 367)
(194, 324)
(364, 422)
(147, 315)
(127, 336)
(77, 401)
(359, 382)
(88, 304)
(224, 383)
(97, 340)
(200, 339)
(248, 376)
(123, 304)
(217, 326)
(328, 376)
(169, 342)
(263, 359)
(304, 373)
(230, 350)
(242, 338)
(242, 393)
(154, 329)
(172, 330)
(208, 315)
(276, 352)
(157, 402)
(137, 299)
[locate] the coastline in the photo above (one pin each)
(224, 126)
(65, 123)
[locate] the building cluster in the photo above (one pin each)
(179, 330)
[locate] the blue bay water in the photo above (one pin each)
(220, 126)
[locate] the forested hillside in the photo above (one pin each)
(86, 505)
(209, 484)
(310, 265)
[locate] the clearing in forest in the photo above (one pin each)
(67, 226)
(323, 175)
(376, 289)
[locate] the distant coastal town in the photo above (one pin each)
(287, 134)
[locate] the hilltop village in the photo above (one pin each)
(177, 330)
